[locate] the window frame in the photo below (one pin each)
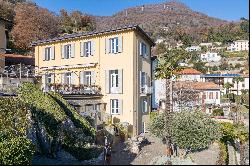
(87, 48)
(67, 51)
(114, 45)
(47, 53)
(88, 77)
(114, 79)
(114, 106)
(68, 78)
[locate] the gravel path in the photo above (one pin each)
(206, 157)
(122, 156)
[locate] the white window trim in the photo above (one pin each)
(68, 76)
(114, 106)
(114, 81)
(88, 78)
(114, 45)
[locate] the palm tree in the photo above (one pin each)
(227, 86)
(168, 66)
(237, 80)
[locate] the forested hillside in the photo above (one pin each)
(172, 21)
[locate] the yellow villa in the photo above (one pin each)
(107, 71)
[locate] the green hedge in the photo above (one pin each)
(223, 154)
(218, 112)
(16, 151)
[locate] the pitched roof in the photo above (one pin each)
(188, 71)
(86, 34)
(196, 85)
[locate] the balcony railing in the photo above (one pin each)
(73, 89)
(146, 90)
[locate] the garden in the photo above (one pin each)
(37, 123)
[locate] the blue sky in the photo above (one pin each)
(231, 10)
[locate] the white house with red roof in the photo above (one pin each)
(189, 74)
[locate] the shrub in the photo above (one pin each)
(218, 112)
(228, 132)
(17, 151)
(223, 154)
(157, 125)
(193, 130)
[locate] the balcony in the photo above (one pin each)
(74, 89)
(146, 90)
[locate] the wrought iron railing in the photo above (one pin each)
(73, 89)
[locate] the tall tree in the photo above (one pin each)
(227, 86)
(237, 80)
(32, 23)
(167, 68)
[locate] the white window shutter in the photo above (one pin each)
(93, 77)
(92, 48)
(84, 49)
(81, 77)
(63, 78)
(120, 106)
(43, 54)
(140, 49)
(84, 78)
(107, 50)
(62, 51)
(120, 81)
(52, 78)
(81, 49)
(72, 50)
(73, 78)
(120, 43)
(140, 80)
(52, 53)
(107, 81)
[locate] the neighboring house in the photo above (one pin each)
(193, 48)
(238, 45)
(206, 44)
(189, 74)
(208, 95)
(203, 95)
(10, 77)
(111, 68)
(221, 79)
(210, 57)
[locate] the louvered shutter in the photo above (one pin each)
(120, 81)
(52, 78)
(81, 78)
(120, 106)
(52, 53)
(92, 77)
(107, 81)
(43, 54)
(81, 49)
(140, 48)
(120, 43)
(72, 50)
(107, 47)
(140, 81)
(63, 78)
(73, 78)
(62, 51)
(92, 48)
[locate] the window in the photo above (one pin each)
(87, 49)
(143, 49)
(47, 53)
(114, 106)
(88, 77)
(210, 95)
(114, 45)
(144, 105)
(49, 78)
(114, 78)
(217, 95)
(97, 107)
(243, 85)
(143, 81)
(68, 78)
(67, 51)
